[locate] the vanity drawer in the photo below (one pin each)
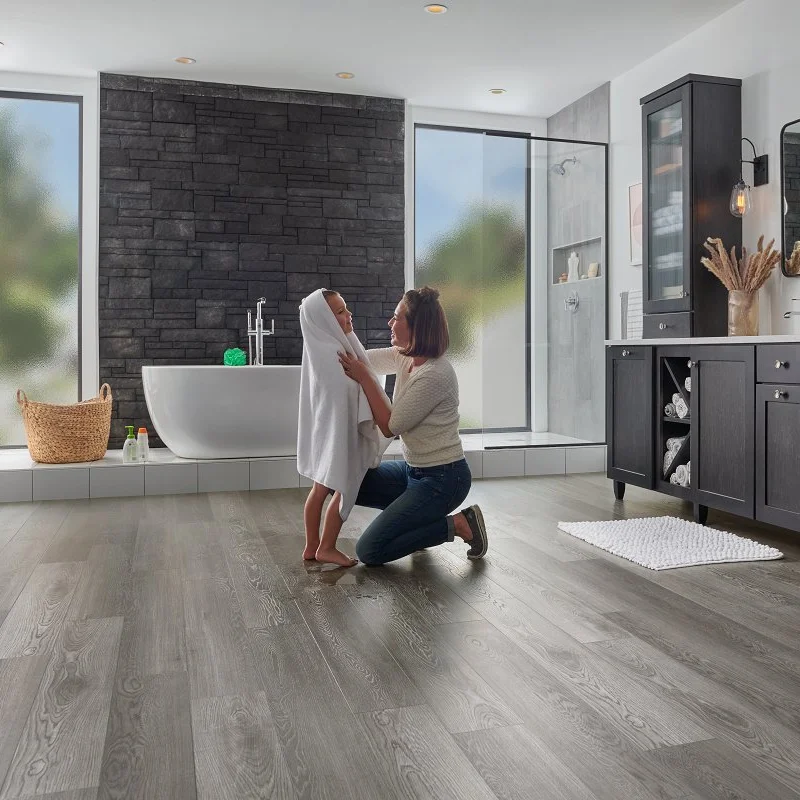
(669, 326)
(778, 363)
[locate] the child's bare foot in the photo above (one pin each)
(334, 556)
(310, 552)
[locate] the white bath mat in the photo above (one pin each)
(668, 542)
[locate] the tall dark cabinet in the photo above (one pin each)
(691, 152)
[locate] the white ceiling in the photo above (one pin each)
(546, 53)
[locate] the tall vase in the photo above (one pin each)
(742, 313)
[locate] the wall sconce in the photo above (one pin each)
(740, 195)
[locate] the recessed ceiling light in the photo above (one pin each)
(186, 60)
(345, 76)
(497, 91)
(436, 8)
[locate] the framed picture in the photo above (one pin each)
(635, 222)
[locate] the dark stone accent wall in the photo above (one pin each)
(212, 196)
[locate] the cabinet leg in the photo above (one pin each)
(700, 513)
(619, 490)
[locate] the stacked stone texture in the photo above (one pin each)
(212, 196)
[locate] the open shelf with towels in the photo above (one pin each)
(673, 438)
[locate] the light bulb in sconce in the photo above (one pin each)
(740, 199)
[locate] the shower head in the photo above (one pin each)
(559, 168)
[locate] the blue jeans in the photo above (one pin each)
(415, 503)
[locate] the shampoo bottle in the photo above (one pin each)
(142, 446)
(129, 448)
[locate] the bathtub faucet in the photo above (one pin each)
(258, 333)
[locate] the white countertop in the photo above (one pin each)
(793, 338)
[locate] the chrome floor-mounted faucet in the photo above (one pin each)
(258, 333)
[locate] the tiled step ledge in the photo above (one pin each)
(23, 480)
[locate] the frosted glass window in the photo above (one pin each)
(470, 242)
(40, 141)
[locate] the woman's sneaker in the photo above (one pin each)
(480, 541)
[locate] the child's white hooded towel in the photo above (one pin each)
(337, 439)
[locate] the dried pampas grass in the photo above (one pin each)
(793, 262)
(747, 274)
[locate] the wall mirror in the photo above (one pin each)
(790, 193)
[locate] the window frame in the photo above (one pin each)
(77, 100)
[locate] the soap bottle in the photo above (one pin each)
(129, 448)
(142, 447)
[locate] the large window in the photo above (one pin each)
(471, 199)
(40, 200)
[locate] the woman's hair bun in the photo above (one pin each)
(428, 294)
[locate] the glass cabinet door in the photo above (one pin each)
(665, 206)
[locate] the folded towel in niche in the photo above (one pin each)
(687, 384)
(337, 439)
(682, 475)
(674, 479)
(669, 410)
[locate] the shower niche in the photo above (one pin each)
(589, 252)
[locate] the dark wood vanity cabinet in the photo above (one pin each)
(741, 436)
(723, 445)
(629, 376)
(778, 436)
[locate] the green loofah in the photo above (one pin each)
(234, 357)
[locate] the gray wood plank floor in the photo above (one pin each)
(179, 647)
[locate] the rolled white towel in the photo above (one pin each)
(687, 384)
(682, 474)
(669, 410)
(673, 479)
(669, 457)
(675, 443)
(681, 408)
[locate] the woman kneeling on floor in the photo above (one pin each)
(417, 495)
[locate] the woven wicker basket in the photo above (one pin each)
(67, 434)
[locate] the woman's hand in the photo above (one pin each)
(353, 368)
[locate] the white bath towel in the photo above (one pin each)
(681, 408)
(337, 439)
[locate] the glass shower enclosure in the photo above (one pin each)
(512, 231)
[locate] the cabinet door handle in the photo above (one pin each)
(779, 364)
(626, 353)
(780, 393)
(662, 326)
(693, 364)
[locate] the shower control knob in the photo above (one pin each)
(779, 364)
(779, 394)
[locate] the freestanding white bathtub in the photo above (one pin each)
(224, 412)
